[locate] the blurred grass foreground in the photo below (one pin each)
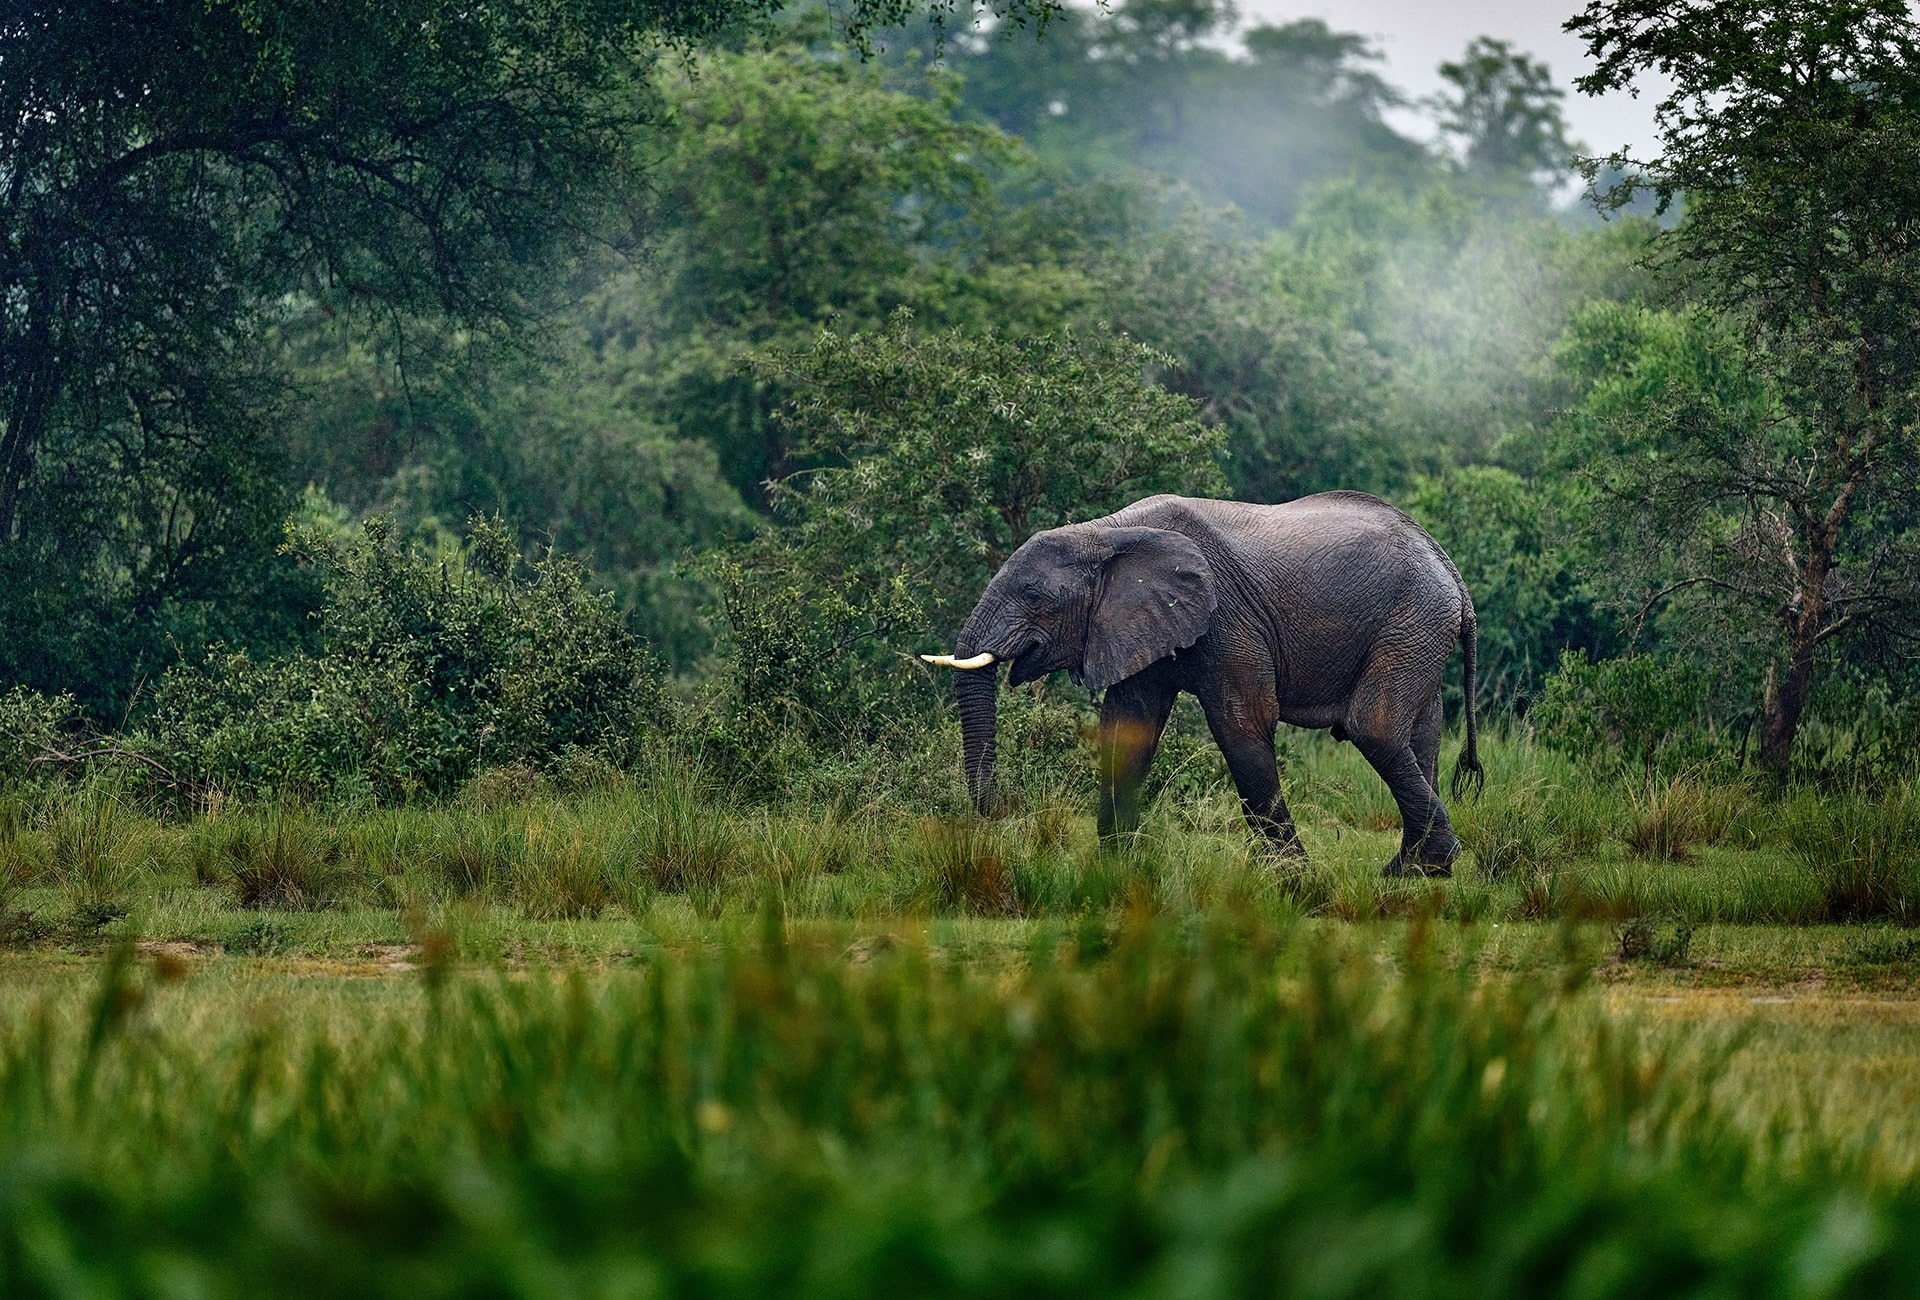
(1216, 1104)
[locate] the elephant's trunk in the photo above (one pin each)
(975, 691)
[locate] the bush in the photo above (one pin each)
(427, 671)
(1648, 711)
(931, 458)
(30, 733)
(1863, 852)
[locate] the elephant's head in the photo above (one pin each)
(1100, 601)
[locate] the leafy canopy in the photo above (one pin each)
(1793, 130)
(177, 176)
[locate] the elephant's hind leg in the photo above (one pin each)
(1426, 740)
(1405, 751)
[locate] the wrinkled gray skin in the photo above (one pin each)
(1335, 611)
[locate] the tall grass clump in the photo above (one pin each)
(567, 872)
(963, 865)
(1863, 852)
(477, 852)
(1213, 1106)
(1674, 816)
(685, 843)
(94, 849)
(274, 856)
(19, 860)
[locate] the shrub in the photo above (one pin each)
(1645, 710)
(276, 857)
(426, 672)
(930, 458)
(1676, 815)
(30, 733)
(1864, 853)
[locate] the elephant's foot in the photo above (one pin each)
(1430, 859)
(1279, 839)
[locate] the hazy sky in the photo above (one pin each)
(1417, 35)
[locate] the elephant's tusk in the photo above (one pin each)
(980, 660)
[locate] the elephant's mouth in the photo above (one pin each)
(1031, 661)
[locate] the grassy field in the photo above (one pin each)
(639, 1038)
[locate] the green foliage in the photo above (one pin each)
(425, 672)
(943, 452)
(382, 160)
(552, 449)
(1224, 1100)
(1645, 710)
(1792, 134)
(1530, 603)
(802, 187)
(1299, 395)
(409, 170)
(31, 733)
(946, 451)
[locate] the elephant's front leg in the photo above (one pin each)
(1132, 716)
(1248, 747)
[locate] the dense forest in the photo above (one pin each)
(478, 480)
(397, 407)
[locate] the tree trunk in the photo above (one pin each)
(1780, 712)
(1786, 695)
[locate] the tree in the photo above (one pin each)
(1148, 84)
(1504, 109)
(943, 453)
(1793, 131)
(174, 174)
(802, 188)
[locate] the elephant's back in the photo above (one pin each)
(1333, 531)
(1345, 557)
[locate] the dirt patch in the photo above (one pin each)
(179, 949)
(393, 956)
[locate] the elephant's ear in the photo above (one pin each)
(1156, 597)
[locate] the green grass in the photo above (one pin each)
(646, 1037)
(1548, 841)
(1209, 1104)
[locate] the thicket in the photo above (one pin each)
(422, 671)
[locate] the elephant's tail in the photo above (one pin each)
(1467, 772)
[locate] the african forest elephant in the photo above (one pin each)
(1333, 611)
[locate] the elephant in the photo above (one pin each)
(1333, 611)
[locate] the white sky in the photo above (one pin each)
(1417, 35)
